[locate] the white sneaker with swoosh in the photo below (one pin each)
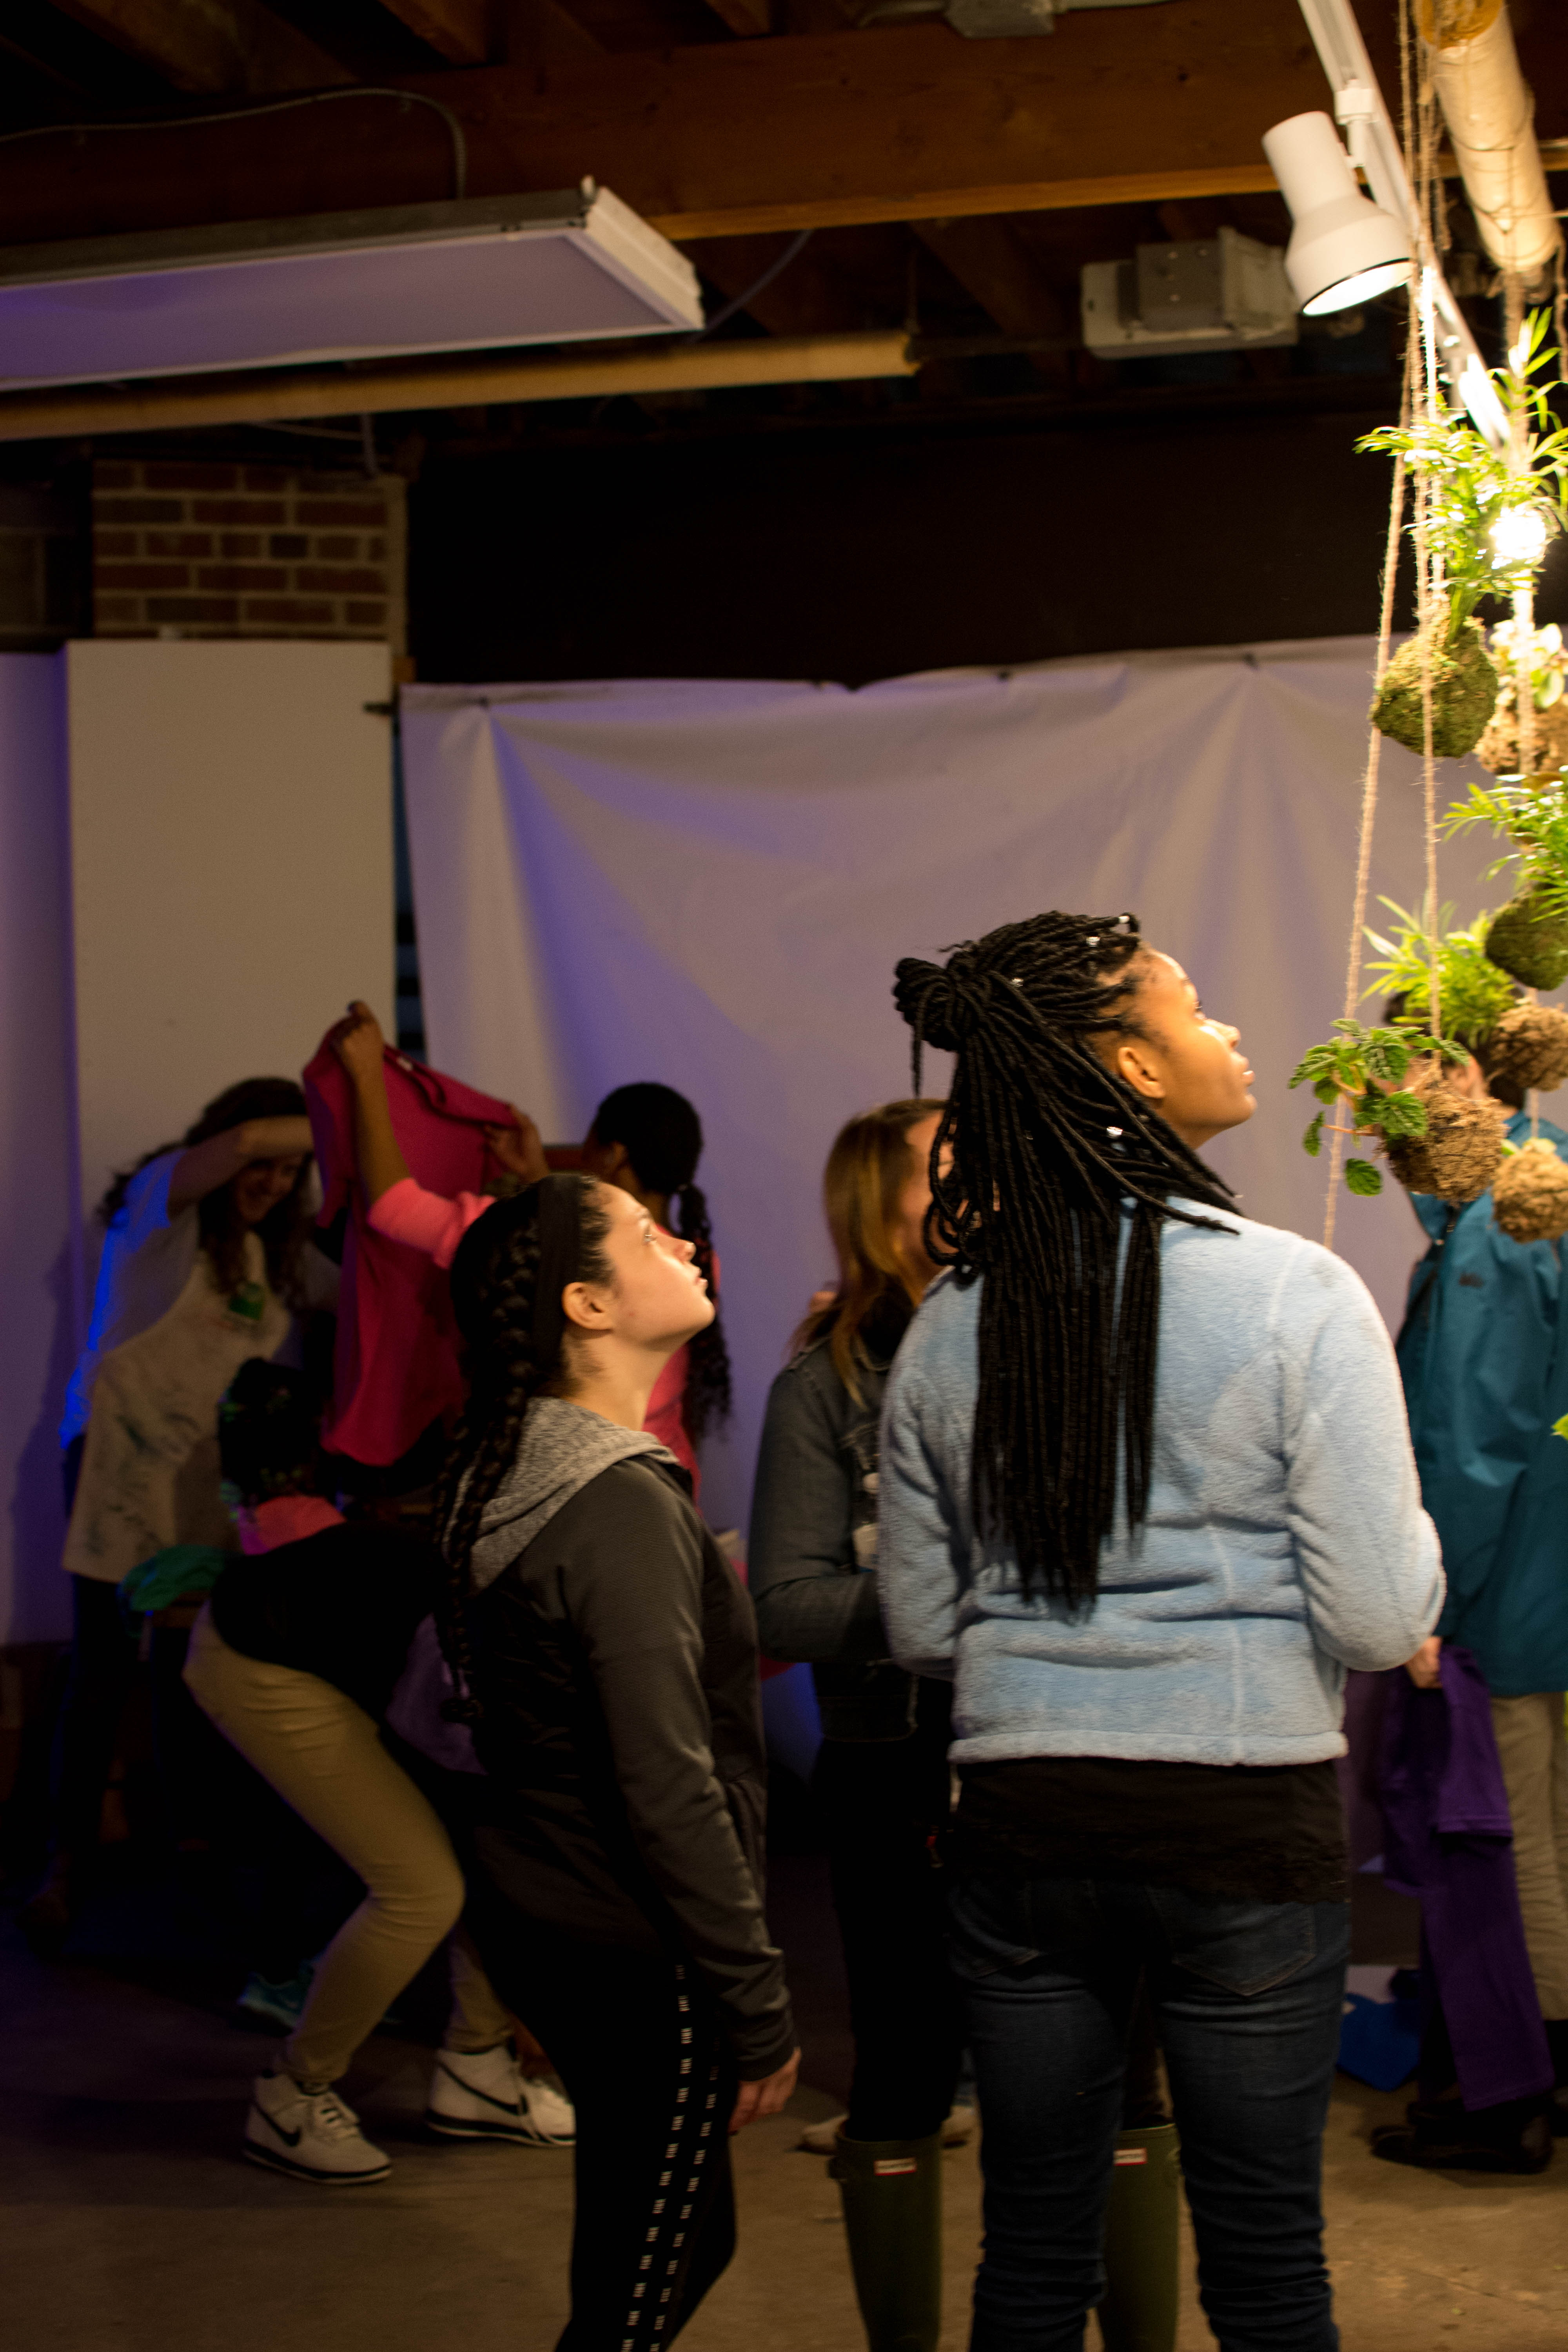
(310, 2134)
(485, 2094)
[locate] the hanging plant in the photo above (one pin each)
(1542, 649)
(1369, 1071)
(1530, 1193)
(1489, 515)
(1457, 1156)
(1474, 995)
(1528, 1048)
(1529, 937)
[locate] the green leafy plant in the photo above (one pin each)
(1535, 818)
(1365, 1069)
(1473, 994)
(1473, 489)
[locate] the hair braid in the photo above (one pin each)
(1047, 1147)
(495, 1276)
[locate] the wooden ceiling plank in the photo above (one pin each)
(993, 265)
(221, 46)
(753, 138)
(457, 29)
(749, 18)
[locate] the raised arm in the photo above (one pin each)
(205, 1166)
(359, 1044)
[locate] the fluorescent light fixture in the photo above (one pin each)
(482, 274)
(1344, 248)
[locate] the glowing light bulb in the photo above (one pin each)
(1518, 536)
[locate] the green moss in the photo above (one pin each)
(1463, 695)
(1531, 941)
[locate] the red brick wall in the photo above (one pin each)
(215, 551)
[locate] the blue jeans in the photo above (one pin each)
(1247, 1998)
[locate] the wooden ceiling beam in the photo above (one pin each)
(995, 267)
(750, 138)
(459, 30)
(219, 47)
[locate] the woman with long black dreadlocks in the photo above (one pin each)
(1146, 1492)
(606, 1655)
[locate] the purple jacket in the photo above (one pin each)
(1450, 1843)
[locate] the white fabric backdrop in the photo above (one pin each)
(709, 884)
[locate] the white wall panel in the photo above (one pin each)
(231, 829)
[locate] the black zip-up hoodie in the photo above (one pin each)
(615, 1660)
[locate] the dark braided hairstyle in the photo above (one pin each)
(1046, 1146)
(662, 1137)
(494, 1279)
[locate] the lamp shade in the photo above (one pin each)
(1344, 248)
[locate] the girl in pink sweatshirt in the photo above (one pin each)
(647, 1139)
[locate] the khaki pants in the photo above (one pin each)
(1533, 1747)
(320, 1752)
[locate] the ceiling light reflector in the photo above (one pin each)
(1344, 248)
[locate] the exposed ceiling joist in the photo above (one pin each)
(457, 29)
(991, 262)
(745, 138)
(273, 395)
(211, 45)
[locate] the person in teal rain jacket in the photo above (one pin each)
(1484, 1358)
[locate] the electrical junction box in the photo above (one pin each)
(1222, 293)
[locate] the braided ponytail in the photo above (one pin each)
(1046, 1146)
(495, 1279)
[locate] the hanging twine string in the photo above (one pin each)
(1368, 798)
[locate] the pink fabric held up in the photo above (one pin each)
(396, 1368)
(408, 1215)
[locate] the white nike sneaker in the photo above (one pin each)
(485, 2094)
(311, 2135)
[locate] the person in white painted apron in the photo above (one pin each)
(202, 1265)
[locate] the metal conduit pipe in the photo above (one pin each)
(1490, 114)
(262, 398)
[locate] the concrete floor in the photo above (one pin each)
(128, 2223)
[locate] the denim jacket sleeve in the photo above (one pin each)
(812, 1598)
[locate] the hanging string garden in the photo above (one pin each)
(1480, 521)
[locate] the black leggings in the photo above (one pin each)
(636, 2039)
(886, 1803)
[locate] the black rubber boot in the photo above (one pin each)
(1143, 2284)
(1557, 2042)
(891, 2190)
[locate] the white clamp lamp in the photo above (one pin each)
(1346, 247)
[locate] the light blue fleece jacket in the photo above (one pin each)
(1285, 1539)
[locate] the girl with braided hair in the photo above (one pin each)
(605, 1654)
(1146, 1493)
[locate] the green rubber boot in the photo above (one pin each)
(891, 2190)
(1141, 2242)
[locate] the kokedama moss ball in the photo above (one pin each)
(1459, 1157)
(1464, 693)
(1529, 1048)
(1499, 746)
(1530, 1194)
(1530, 941)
